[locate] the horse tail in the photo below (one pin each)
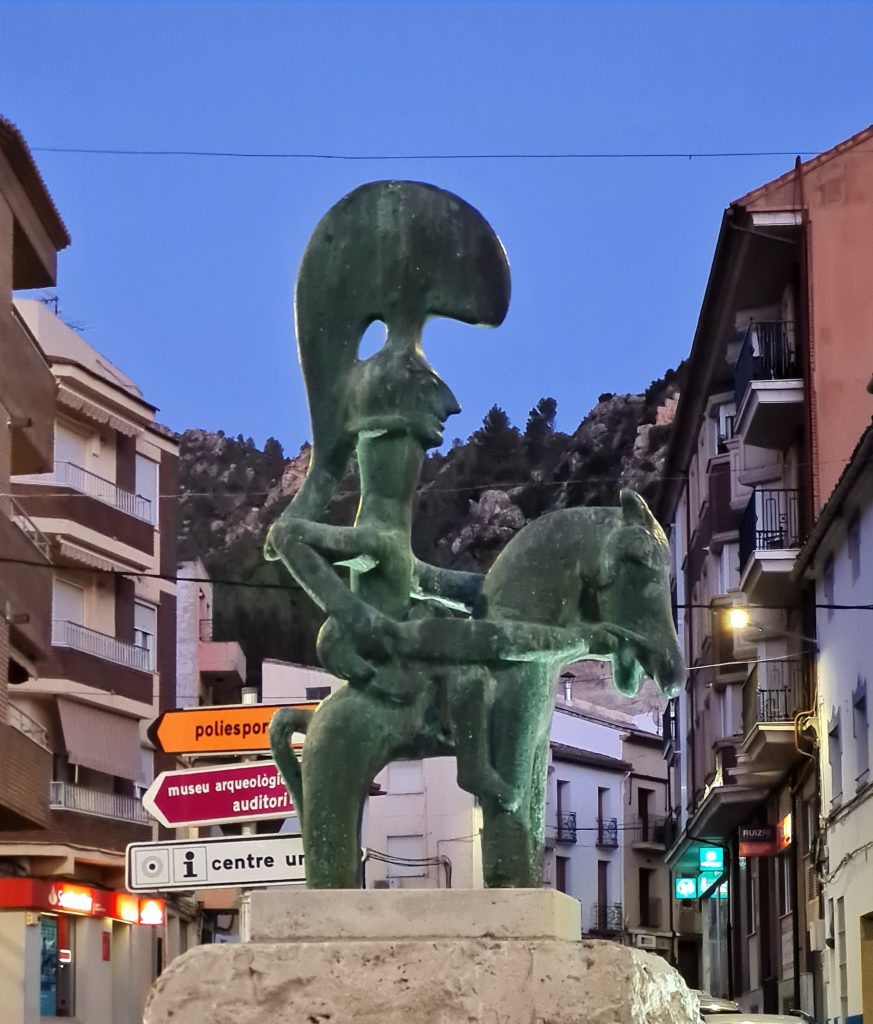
(283, 725)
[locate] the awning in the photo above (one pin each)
(101, 740)
(70, 400)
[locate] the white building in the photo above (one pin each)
(839, 555)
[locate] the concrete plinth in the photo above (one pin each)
(419, 957)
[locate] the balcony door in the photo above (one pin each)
(70, 451)
(68, 610)
(145, 627)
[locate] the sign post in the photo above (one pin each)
(236, 861)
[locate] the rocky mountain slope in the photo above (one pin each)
(473, 498)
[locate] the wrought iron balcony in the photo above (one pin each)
(607, 832)
(66, 796)
(109, 648)
(650, 829)
(607, 918)
(567, 827)
(776, 691)
(772, 521)
(769, 352)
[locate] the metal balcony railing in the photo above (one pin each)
(567, 827)
(607, 918)
(29, 528)
(772, 521)
(109, 648)
(650, 829)
(71, 475)
(67, 796)
(21, 721)
(607, 832)
(776, 696)
(769, 352)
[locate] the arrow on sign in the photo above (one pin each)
(177, 866)
(220, 729)
(218, 795)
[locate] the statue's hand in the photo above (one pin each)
(279, 535)
(348, 647)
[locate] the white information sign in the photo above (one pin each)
(244, 861)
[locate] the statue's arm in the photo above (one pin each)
(490, 640)
(334, 543)
(449, 585)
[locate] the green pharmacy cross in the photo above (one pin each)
(437, 662)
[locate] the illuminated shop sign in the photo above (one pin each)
(711, 858)
(64, 897)
(685, 888)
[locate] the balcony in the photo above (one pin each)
(566, 827)
(607, 918)
(26, 586)
(768, 383)
(221, 663)
(67, 474)
(771, 532)
(773, 694)
(607, 832)
(99, 645)
(648, 833)
(66, 796)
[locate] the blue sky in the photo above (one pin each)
(182, 268)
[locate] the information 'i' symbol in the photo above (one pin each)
(189, 865)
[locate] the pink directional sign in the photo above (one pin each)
(214, 796)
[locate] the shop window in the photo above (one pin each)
(57, 965)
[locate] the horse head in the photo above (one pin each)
(634, 594)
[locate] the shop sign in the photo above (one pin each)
(217, 795)
(685, 888)
(217, 729)
(711, 858)
(64, 897)
(759, 841)
(238, 861)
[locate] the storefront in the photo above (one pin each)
(75, 951)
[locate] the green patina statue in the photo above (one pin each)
(437, 662)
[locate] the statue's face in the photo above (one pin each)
(399, 392)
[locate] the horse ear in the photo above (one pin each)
(634, 509)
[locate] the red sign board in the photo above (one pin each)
(67, 898)
(214, 796)
(759, 841)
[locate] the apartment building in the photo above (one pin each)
(838, 557)
(101, 508)
(31, 234)
(768, 419)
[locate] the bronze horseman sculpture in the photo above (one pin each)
(437, 662)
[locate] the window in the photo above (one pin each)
(403, 851)
(561, 873)
(835, 757)
(828, 584)
(853, 536)
(145, 628)
(751, 895)
(317, 692)
(68, 602)
(860, 727)
(146, 488)
(647, 877)
(644, 800)
(70, 448)
(786, 893)
(405, 777)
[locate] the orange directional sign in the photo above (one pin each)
(221, 729)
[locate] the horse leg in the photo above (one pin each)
(523, 705)
(471, 697)
(348, 742)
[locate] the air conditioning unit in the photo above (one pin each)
(646, 941)
(387, 883)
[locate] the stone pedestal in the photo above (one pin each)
(500, 956)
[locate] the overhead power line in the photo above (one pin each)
(382, 157)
